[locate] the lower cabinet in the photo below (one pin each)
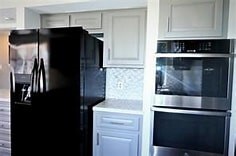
(116, 134)
(5, 153)
(117, 143)
(5, 145)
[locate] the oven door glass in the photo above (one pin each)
(189, 132)
(205, 77)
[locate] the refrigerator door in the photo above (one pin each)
(23, 50)
(57, 104)
(23, 59)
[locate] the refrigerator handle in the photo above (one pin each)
(41, 78)
(12, 82)
(34, 75)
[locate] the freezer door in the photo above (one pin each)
(23, 59)
(23, 50)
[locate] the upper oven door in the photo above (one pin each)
(194, 80)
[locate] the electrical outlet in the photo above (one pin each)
(120, 85)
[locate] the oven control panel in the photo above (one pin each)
(194, 46)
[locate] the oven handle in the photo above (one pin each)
(191, 112)
(194, 55)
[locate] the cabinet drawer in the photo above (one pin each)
(118, 121)
(5, 152)
(4, 125)
(5, 134)
(5, 104)
(5, 146)
(4, 110)
(5, 117)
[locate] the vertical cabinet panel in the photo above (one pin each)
(191, 18)
(124, 38)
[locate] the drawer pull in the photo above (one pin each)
(2, 110)
(117, 123)
(2, 145)
(2, 126)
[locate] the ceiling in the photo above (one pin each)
(12, 3)
(63, 6)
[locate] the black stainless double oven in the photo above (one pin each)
(191, 113)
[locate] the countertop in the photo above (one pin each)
(120, 106)
(5, 95)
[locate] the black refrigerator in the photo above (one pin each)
(56, 79)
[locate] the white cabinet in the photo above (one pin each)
(116, 134)
(88, 20)
(191, 18)
(53, 21)
(124, 38)
(123, 31)
(8, 18)
(5, 144)
(117, 144)
(232, 19)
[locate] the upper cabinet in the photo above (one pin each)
(123, 33)
(89, 20)
(124, 38)
(54, 21)
(8, 18)
(232, 20)
(191, 18)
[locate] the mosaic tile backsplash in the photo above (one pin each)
(124, 83)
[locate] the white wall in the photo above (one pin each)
(4, 68)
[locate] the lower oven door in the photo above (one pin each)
(179, 132)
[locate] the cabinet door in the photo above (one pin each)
(53, 21)
(110, 143)
(232, 20)
(191, 18)
(88, 20)
(5, 153)
(8, 18)
(124, 38)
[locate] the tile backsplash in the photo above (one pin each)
(124, 83)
